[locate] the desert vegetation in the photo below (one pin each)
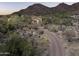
(24, 33)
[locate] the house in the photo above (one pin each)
(36, 19)
(76, 16)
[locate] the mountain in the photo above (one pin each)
(75, 8)
(35, 9)
(39, 9)
(61, 7)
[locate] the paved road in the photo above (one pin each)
(55, 44)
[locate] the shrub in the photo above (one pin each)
(69, 34)
(18, 46)
(46, 20)
(3, 25)
(16, 21)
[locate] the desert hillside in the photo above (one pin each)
(41, 31)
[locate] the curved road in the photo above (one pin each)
(56, 47)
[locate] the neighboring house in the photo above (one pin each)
(76, 16)
(36, 19)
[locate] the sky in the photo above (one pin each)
(10, 7)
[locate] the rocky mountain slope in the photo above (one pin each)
(39, 9)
